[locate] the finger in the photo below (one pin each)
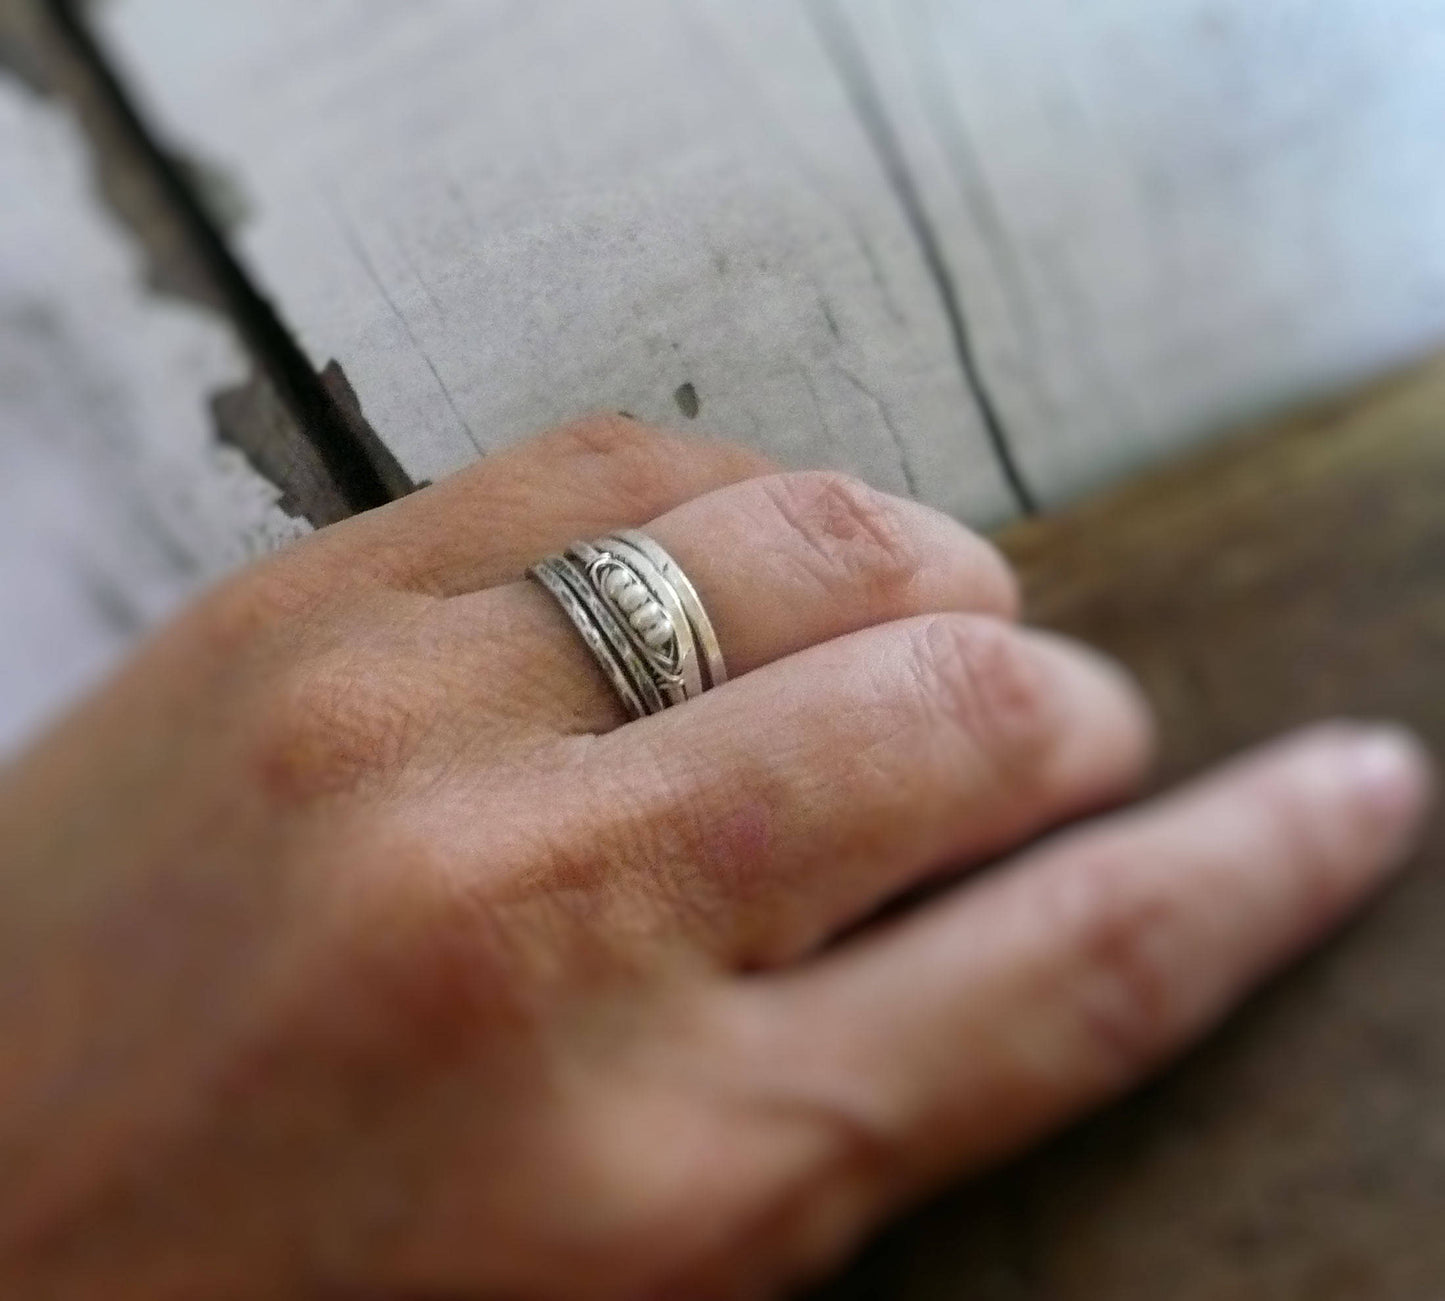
(971, 1029)
(771, 813)
(791, 560)
(485, 524)
(781, 563)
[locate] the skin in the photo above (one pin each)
(351, 946)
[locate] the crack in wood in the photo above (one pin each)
(970, 176)
(363, 258)
(905, 463)
(841, 47)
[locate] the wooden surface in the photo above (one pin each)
(499, 215)
(1167, 216)
(115, 501)
(855, 232)
(1300, 1156)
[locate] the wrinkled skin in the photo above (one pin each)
(351, 945)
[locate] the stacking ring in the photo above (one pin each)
(640, 616)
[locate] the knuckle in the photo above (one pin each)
(652, 841)
(605, 435)
(331, 725)
(852, 536)
(984, 677)
(624, 458)
(1123, 986)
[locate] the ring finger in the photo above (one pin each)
(781, 563)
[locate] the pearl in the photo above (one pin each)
(633, 597)
(624, 589)
(652, 625)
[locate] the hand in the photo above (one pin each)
(351, 946)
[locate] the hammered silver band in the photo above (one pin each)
(640, 616)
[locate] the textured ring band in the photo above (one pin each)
(702, 629)
(551, 576)
(639, 593)
(614, 634)
(640, 617)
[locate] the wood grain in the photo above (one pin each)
(1295, 572)
(500, 216)
(1167, 217)
(877, 234)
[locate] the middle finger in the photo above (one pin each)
(766, 817)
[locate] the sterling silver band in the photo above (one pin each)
(614, 634)
(640, 617)
(572, 605)
(702, 629)
(636, 593)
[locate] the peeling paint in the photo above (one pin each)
(252, 418)
(303, 431)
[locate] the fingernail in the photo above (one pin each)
(1390, 771)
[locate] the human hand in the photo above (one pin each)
(351, 946)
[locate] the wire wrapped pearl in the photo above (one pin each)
(640, 617)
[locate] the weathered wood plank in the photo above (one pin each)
(1167, 216)
(1157, 214)
(1287, 575)
(498, 216)
(115, 501)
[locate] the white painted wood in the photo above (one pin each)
(114, 502)
(1162, 214)
(499, 216)
(1169, 215)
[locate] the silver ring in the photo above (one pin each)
(636, 593)
(640, 617)
(702, 629)
(551, 576)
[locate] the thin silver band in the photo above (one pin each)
(702, 629)
(574, 608)
(647, 687)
